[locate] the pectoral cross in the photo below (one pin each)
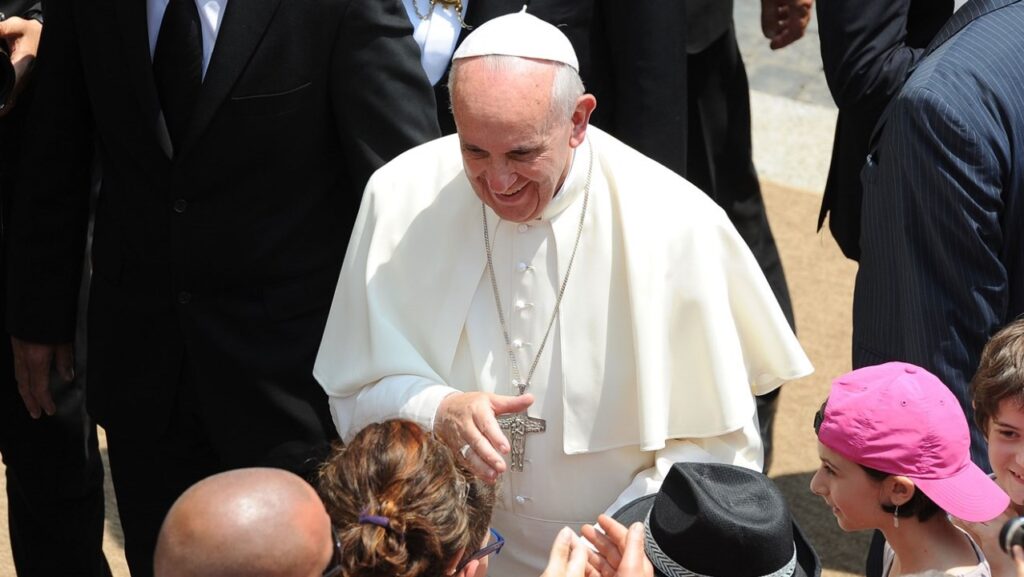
(516, 426)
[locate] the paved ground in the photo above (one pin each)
(793, 120)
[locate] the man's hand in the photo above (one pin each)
(22, 38)
(784, 21)
(470, 419)
(32, 371)
(620, 552)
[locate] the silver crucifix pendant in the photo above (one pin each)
(516, 426)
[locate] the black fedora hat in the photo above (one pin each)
(714, 520)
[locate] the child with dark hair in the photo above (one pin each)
(997, 392)
(895, 454)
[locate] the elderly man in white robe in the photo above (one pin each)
(563, 311)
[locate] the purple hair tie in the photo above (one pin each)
(377, 520)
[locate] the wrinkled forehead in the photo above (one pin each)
(507, 85)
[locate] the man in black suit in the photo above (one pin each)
(235, 140)
(53, 469)
(868, 48)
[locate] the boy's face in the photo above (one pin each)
(1006, 448)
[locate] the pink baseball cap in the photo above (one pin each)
(900, 419)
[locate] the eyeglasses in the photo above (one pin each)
(334, 567)
(494, 547)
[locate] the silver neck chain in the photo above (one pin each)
(520, 384)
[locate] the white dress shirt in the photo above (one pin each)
(211, 13)
(436, 35)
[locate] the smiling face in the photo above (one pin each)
(515, 148)
(1006, 448)
(847, 488)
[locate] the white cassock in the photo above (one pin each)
(666, 330)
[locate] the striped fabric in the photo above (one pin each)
(942, 264)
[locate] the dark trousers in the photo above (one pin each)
(54, 480)
(189, 388)
(54, 485)
(150, 473)
(720, 162)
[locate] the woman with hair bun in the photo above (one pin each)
(404, 506)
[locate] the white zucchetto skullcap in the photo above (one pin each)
(519, 34)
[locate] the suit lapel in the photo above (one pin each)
(240, 33)
(964, 16)
(131, 18)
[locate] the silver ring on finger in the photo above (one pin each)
(464, 451)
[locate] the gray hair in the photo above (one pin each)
(566, 88)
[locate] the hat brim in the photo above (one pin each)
(807, 562)
(968, 494)
(635, 511)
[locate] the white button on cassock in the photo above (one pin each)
(523, 227)
(522, 267)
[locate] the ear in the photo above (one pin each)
(898, 489)
(450, 569)
(585, 106)
(470, 569)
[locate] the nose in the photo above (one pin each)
(500, 179)
(1019, 457)
(817, 487)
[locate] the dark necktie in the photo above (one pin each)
(178, 66)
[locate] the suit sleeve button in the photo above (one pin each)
(180, 205)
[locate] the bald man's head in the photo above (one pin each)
(247, 522)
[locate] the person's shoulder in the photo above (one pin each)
(648, 190)
(429, 166)
(981, 58)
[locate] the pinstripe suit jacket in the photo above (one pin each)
(942, 264)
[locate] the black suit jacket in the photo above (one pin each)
(226, 251)
(632, 58)
(868, 48)
(943, 248)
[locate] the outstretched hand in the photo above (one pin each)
(467, 422)
(568, 557)
(620, 551)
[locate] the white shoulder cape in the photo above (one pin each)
(667, 324)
